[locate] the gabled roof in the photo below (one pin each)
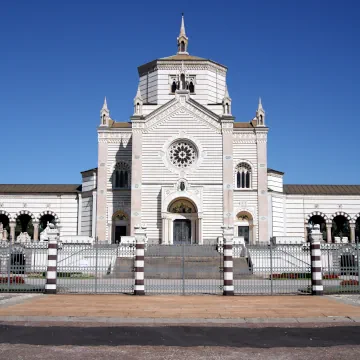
(40, 188)
(322, 189)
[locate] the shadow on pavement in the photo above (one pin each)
(181, 336)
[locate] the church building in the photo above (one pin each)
(184, 167)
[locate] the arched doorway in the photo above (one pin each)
(340, 228)
(4, 227)
(244, 226)
(24, 224)
(183, 225)
(120, 226)
(318, 220)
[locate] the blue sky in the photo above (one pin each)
(60, 58)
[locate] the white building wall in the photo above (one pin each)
(89, 182)
(278, 221)
(275, 182)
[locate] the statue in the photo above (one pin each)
(23, 238)
(3, 232)
(44, 234)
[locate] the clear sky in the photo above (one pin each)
(59, 58)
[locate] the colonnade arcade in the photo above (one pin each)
(339, 227)
(25, 224)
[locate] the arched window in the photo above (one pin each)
(261, 120)
(121, 176)
(182, 80)
(191, 87)
(243, 176)
(173, 87)
(182, 46)
(104, 119)
(227, 108)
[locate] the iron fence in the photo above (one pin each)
(268, 269)
(95, 268)
(183, 269)
(340, 268)
(23, 266)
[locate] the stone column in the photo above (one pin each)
(36, 231)
(328, 232)
(352, 233)
(227, 123)
(193, 233)
(12, 231)
(136, 171)
(51, 273)
(201, 240)
(262, 186)
(93, 220)
(140, 236)
(316, 269)
(102, 181)
(170, 225)
(163, 231)
(79, 214)
(228, 234)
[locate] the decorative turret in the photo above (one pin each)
(260, 114)
(226, 103)
(138, 102)
(104, 114)
(182, 40)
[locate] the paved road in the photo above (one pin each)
(84, 341)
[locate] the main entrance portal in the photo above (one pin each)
(182, 231)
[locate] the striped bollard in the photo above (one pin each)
(51, 272)
(140, 236)
(228, 261)
(317, 287)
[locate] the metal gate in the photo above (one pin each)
(95, 268)
(23, 267)
(183, 269)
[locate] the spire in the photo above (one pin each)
(182, 28)
(260, 114)
(182, 40)
(105, 105)
(226, 102)
(138, 93)
(227, 93)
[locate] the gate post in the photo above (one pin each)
(51, 272)
(317, 287)
(228, 260)
(140, 236)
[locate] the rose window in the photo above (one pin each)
(182, 154)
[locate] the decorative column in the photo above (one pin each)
(93, 220)
(12, 231)
(36, 231)
(317, 287)
(262, 185)
(328, 232)
(227, 123)
(352, 233)
(79, 214)
(136, 171)
(51, 273)
(140, 236)
(228, 234)
(163, 231)
(201, 240)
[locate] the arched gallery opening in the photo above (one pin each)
(318, 220)
(244, 226)
(4, 227)
(340, 227)
(357, 229)
(44, 220)
(24, 224)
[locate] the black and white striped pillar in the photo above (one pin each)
(51, 272)
(140, 236)
(228, 261)
(316, 237)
